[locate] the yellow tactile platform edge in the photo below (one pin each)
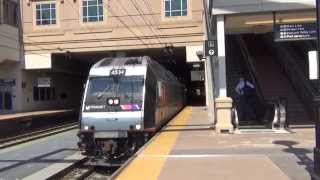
(146, 167)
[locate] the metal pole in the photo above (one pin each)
(316, 105)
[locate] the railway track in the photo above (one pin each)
(80, 171)
(11, 141)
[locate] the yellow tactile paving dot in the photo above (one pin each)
(148, 165)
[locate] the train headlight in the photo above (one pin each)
(116, 101)
(138, 126)
(86, 128)
(110, 101)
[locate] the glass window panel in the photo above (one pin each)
(167, 6)
(45, 14)
(184, 4)
(47, 93)
(175, 13)
(42, 93)
(53, 14)
(45, 6)
(175, 4)
(85, 19)
(92, 19)
(100, 10)
(100, 2)
(38, 14)
(84, 10)
(53, 93)
(184, 13)
(35, 93)
(84, 3)
(100, 18)
(167, 14)
(92, 3)
(92, 11)
(45, 22)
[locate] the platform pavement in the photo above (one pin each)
(33, 114)
(26, 159)
(188, 149)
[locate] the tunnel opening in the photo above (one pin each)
(75, 67)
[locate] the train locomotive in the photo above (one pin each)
(126, 100)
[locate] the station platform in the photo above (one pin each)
(34, 114)
(18, 123)
(32, 159)
(187, 148)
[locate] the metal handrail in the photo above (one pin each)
(298, 80)
(276, 116)
(235, 119)
(252, 70)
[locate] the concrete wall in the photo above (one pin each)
(12, 71)
(9, 43)
(118, 31)
(241, 6)
(10, 67)
(63, 83)
(124, 28)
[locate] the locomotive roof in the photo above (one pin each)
(133, 66)
(122, 61)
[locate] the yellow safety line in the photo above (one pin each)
(149, 168)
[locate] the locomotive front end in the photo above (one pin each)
(112, 112)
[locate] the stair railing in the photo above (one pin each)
(296, 77)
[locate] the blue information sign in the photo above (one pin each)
(294, 32)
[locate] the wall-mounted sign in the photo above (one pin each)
(44, 82)
(295, 32)
(210, 48)
(7, 82)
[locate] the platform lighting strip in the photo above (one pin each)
(280, 21)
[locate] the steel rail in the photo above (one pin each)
(8, 142)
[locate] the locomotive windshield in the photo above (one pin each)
(125, 93)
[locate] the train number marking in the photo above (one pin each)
(117, 72)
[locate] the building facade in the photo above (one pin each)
(62, 38)
(10, 61)
(252, 19)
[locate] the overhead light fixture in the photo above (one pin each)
(311, 19)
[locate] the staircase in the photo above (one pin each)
(234, 65)
(273, 82)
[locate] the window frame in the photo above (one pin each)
(100, 17)
(52, 27)
(181, 10)
(41, 94)
(6, 13)
(41, 9)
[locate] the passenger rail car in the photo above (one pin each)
(125, 101)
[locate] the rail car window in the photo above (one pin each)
(127, 88)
